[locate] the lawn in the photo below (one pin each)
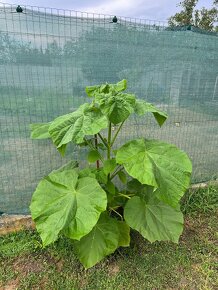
(192, 264)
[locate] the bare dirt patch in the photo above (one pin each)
(12, 285)
(27, 264)
(113, 269)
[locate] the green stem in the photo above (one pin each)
(89, 143)
(116, 213)
(119, 168)
(117, 132)
(124, 195)
(96, 146)
(109, 146)
(109, 142)
(102, 139)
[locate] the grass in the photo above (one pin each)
(200, 200)
(191, 264)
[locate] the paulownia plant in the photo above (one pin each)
(89, 205)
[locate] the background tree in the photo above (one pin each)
(203, 18)
(15, 51)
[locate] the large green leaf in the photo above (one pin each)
(153, 219)
(106, 236)
(117, 107)
(64, 202)
(87, 120)
(40, 130)
(157, 164)
(142, 107)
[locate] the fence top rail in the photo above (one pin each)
(70, 14)
(80, 14)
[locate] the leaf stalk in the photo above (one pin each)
(117, 132)
(103, 141)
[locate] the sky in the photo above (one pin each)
(146, 9)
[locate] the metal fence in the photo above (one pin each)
(48, 56)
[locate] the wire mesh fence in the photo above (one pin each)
(48, 56)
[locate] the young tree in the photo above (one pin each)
(88, 205)
(203, 18)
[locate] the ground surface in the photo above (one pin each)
(192, 264)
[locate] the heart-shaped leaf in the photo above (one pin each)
(158, 164)
(153, 219)
(87, 120)
(64, 202)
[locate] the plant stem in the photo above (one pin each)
(124, 195)
(96, 146)
(109, 146)
(119, 168)
(90, 144)
(102, 139)
(109, 142)
(117, 132)
(116, 213)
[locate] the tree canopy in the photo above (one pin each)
(189, 15)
